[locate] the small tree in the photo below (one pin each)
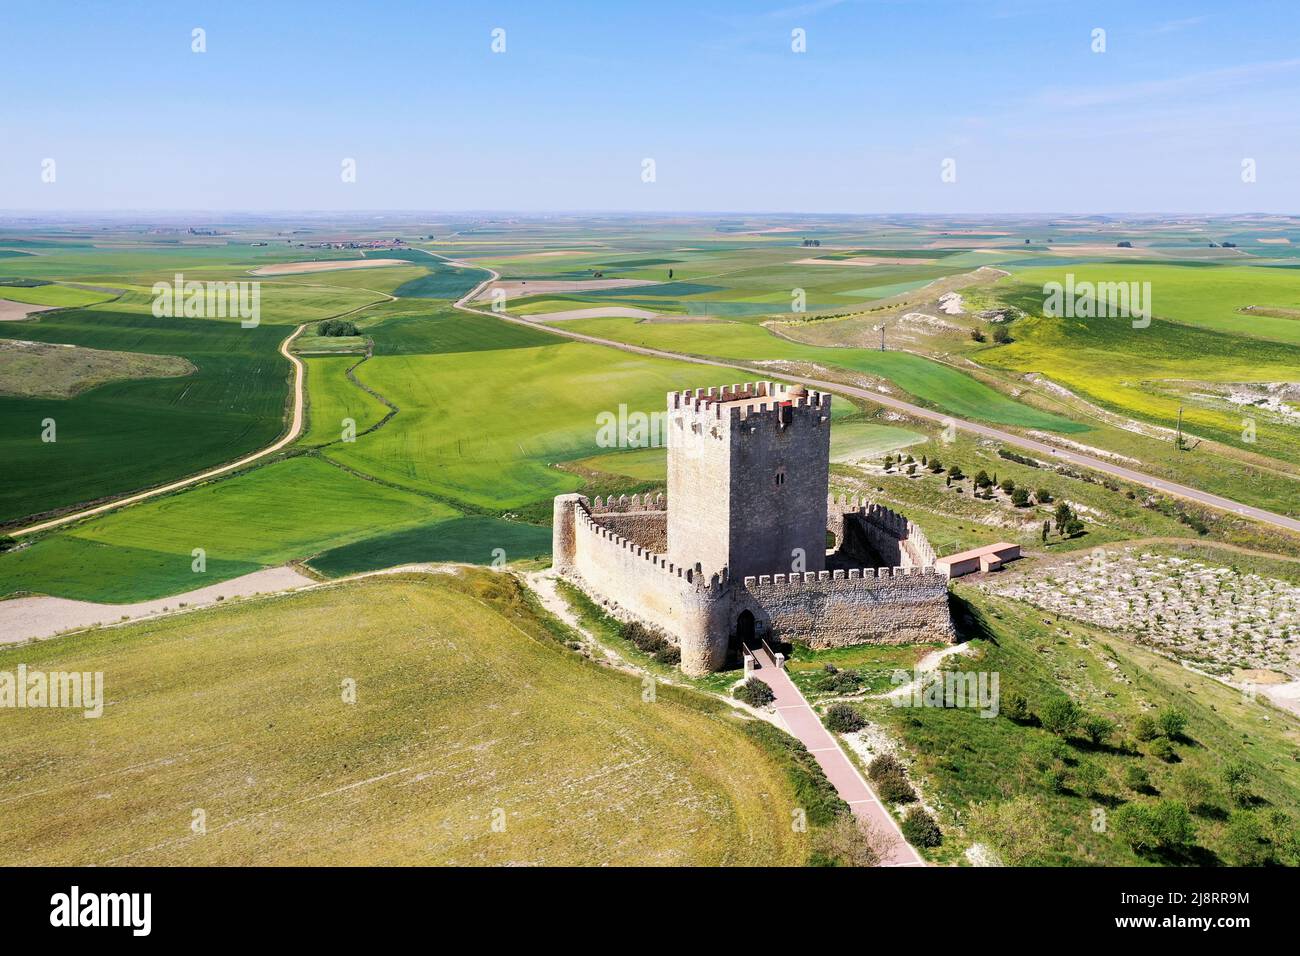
(982, 479)
(894, 788)
(1060, 715)
(954, 472)
(1001, 335)
(1097, 729)
(1172, 722)
(977, 335)
(1145, 728)
(1020, 498)
(1047, 527)
(852, 842)
(1061, 516)
(882, 765)
(1136, 778)
(1164, 750)
(1008, 485)
(1244, 841)
(1044, 496)
(1237, 779)
(1016, 708)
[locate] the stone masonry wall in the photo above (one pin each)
(837, 609)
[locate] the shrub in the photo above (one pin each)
(1172, 723)
(1162, 747)
(1020, 498)
(982, 479)
(1136, 778)
(839, 682)
(921, 829)
(1016, 708)
(1145, 728)
(1000, 335)
(1060, 715)
(894, 788)
(754, 693)
(1007, 485)
(843, 718)
(1237, 779)
(1164, 824)
(883, 765)
(1044, 496)
(1018, 830)
(336, 327)
(850, 842)
(954, 472)
(643, 638)
(1244, 841)
(669, 655)
(977, 335)
(1097, 729)
(1197, 790)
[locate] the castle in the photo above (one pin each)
(749, 545)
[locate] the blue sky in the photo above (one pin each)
(711, 91)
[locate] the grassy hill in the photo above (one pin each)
(467, 711)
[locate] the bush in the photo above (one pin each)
(7, 543)
(1164, 824)
(669, 655)
(850, 842)
(894, 788)
(1044, 496)
(1244, 841)
(1000, 335)
(754, 693)
(1020, 498)
(883, 765)
(977, 335)
(1145, 728)
(1016, 708)
(982, 479)
(839, 682)
(1162, 748)
(1136, 778)
(921, 829)
(1172, 723)
(1237, 779)
(1097, 729)
(954, 472)
(644, 639)
(843, 718)
(1197, 790)
(336, 327)
(1060, 715)
(1018, 830)
(1007, 485)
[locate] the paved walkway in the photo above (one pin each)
(800, 719)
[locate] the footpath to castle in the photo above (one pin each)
(800, 719)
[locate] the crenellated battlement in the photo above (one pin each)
(752, 403)
(844, 574)
(695, 577)
(624, 503)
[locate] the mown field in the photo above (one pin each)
(468, 712)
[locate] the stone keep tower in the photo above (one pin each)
(748, 473)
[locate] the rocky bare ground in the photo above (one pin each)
(1214, 617)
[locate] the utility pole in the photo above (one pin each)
(1178, 443)
(881, 329)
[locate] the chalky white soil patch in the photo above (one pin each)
(615, 311)
(1215, 618)
(17, 311)
(517, 288)
(32, 618)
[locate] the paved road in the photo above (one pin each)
(1048, 451)
(802, 721)
(295, 428)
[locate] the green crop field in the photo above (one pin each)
(270, 515)
(465, 707)
(1209, 297)
(57, 295)
(127, 435)
(932, 383)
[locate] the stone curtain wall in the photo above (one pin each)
(688, 606)
(641, 520)
(838, 609)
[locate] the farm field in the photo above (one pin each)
(466, 705)
(930, 382)
(272, 514)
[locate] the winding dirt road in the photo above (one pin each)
(295, 429)
(1051, 452)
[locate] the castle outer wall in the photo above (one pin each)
(601, 545)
